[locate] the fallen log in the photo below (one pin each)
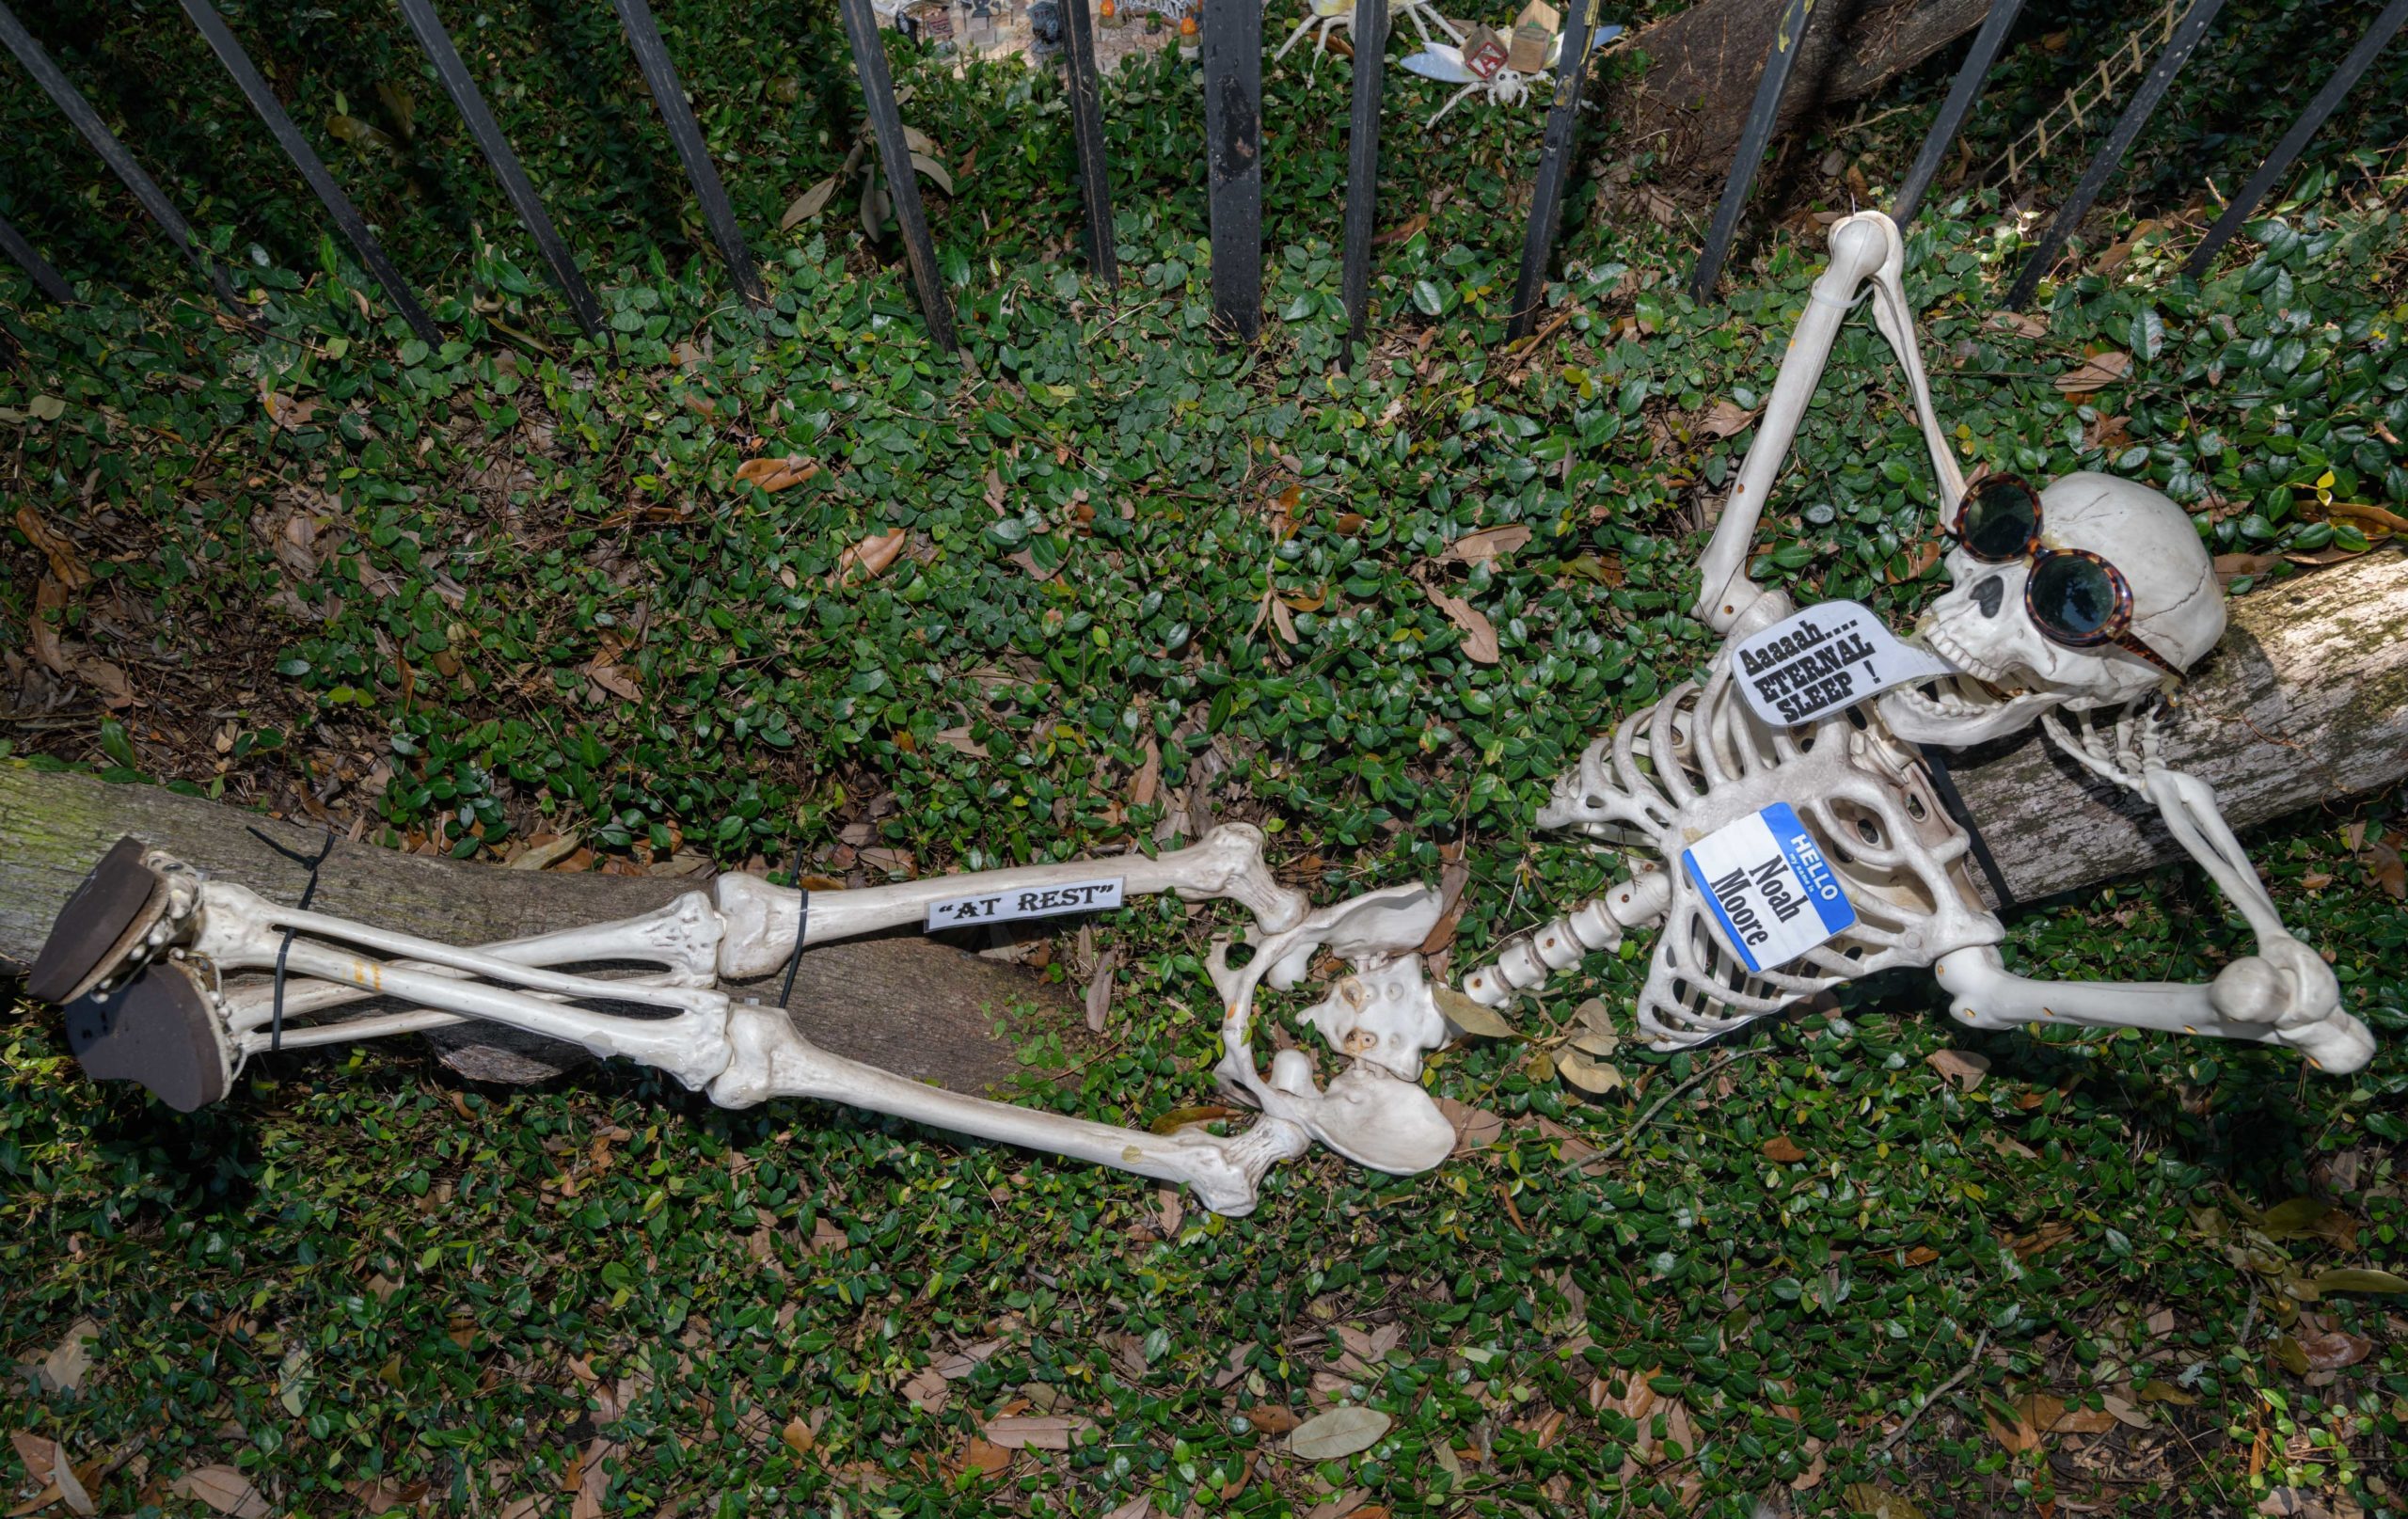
(1702, 65)
(909, 1005)
(2304, 703)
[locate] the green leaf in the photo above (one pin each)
(1427, 298)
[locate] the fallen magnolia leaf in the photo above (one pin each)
(2015, 1432)
(65, 1368)
(380, 1496)
(2020, 325)
(1488, 543)
(1479, 634)
(2097, 374)
(2379, 520)
(2292, 1503)
(1781, 1151)
(2334, 1350)
(1472, 1017)
(2357, 1280)
(2156, 1390)
(224, 1489)
(1273, 1419)
(1963, 1067)
(986, 1457)
(65, 564)
(1592, 1076)
(1145, 782)
(1475, 1128)
(1727, 418)
(1140, 1507)
(808, 204)
(2231, 567)
(1099, 1000)
(870, 557)
(1338, 1433)
(926, 1391)
(1038, 1431)
(2390, 872)
(49, 596)
(774, 475)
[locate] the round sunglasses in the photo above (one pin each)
(2072, 595)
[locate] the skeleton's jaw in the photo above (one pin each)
(1959, 711)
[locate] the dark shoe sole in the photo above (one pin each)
(109, 913)
(157, 1030)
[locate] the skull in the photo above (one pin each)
(2013, 671)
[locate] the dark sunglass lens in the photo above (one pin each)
(2000, 519)
(2072, 595)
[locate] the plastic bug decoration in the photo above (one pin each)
(1809, 852)
(1336, 15)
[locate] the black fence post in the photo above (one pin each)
(686, 135)
(2103, 165)
(471, 103)
(1087, 126)
(2310, 120)
(1555, 166)
(902, 177)
(1233, 46)
(79, 111)
(1363, 168)
(347, 217)
(45, 278)
(1788, 36)
(1953, 111)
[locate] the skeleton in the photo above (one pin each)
(158, 966)
(1333, 15)
(161, 968)
(1700, 759)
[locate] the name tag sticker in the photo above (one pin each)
(1025, 902)
(1824, 660)
(1769, 887)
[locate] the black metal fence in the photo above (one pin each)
(1232, 68)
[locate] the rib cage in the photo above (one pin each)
(1699, 759)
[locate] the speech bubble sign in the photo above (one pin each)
(1824, 660)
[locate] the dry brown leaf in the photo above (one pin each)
(2020, 325)
(1963, 1067)
(774, 475)
(2334, 1349)
(376, 1497)
(1099, 998)
(2380, 519)
(1038, 1431)
(2390, 872)
(65, 564)
(1475, 1128)
(869, 558)
(224, 1489)
(926, 1391)
(1488, 543)
(986, 1458)
(64, 1368)
(49, 596)
(1480, 635)
(2097, 374)
(2230, 568)
(2016, 1434)
(799, 1435)
(1782, 1151)
(1402, 230)
(285, 412)
(1147, 782)
(614, 678)
(1727, 418)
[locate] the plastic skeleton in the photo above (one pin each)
(157, 965)
(1699, 759)
(1331, 15)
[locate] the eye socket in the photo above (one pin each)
(2072, 595)
(1999, 519)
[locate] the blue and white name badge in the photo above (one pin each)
(1771, 889)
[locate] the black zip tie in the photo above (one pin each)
(801, 925)
(276, 1004)
(1952, 801)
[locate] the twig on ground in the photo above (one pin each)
(1981, 1343)
(1645, 1118)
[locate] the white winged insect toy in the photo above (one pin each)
(1336, 15)
(1507, 86)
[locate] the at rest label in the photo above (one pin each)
(1025, 902)
(1769, 886)
(1824, 660)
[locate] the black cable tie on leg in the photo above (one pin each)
(276, 1002)
(801, 926)
(1952, 801)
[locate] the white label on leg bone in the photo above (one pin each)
(1025, 902)
(1827, 657)
(1773, 893)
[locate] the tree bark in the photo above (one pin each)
(2304, 703)
(909, 1005)
(1703, 66)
